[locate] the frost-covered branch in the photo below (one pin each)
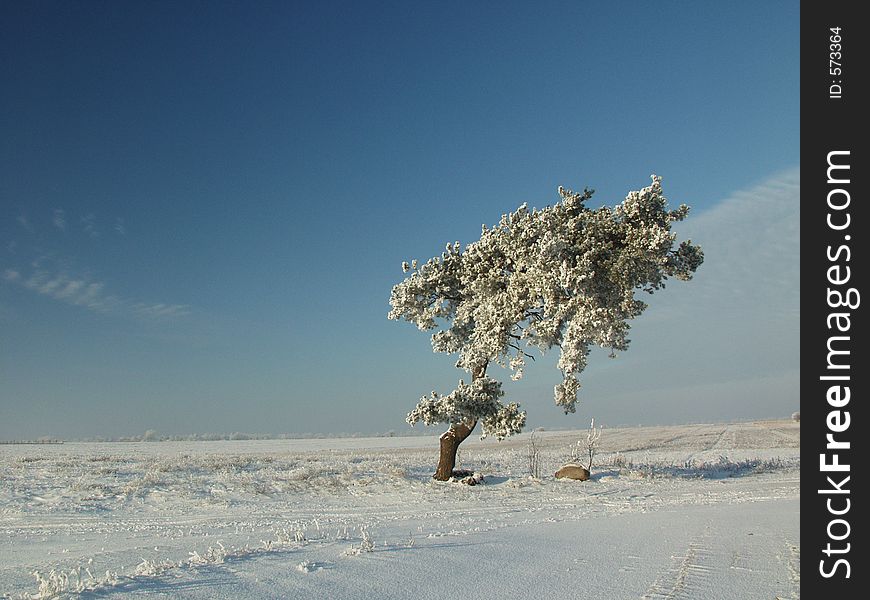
(563, 276)
(469, 403)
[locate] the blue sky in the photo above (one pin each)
(203, 206)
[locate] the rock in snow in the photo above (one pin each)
(573, 471)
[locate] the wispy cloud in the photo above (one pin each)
(89, 225)
(725, 344)
(752, 243)
(24, 223)
(161, 310)
(90, 294)
(737, 321)
(119, 227)
(58, 219)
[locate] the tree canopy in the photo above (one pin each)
(565, 275)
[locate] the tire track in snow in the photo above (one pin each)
(686, 572)
(779, 436)
(719, 444)
(794, 569)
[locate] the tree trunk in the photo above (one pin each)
(450, 441)
(454, 436)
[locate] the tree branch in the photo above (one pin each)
(521, 351)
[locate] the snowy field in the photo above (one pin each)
(694, 512)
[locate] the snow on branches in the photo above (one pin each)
(564, 276)
(467, 403)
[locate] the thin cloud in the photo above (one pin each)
(50, 286)
(91, 295)
(161, 310)
(736, 324)
(89, 225)
(24, 222)
(58, 219)
(119, 227)
(752, 242)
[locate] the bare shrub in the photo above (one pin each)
(534, 457)
(618, 460)
(588, 447)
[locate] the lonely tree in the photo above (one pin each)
(564, 276)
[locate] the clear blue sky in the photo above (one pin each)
(204, 205)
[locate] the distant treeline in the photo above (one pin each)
(153, 436)
(32, 442)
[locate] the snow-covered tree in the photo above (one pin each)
(564, 276)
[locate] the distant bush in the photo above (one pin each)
(534, 452)
(721, 468)
(796, 417)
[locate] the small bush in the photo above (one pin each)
(534, 458)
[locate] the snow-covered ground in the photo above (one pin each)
(694, 511)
